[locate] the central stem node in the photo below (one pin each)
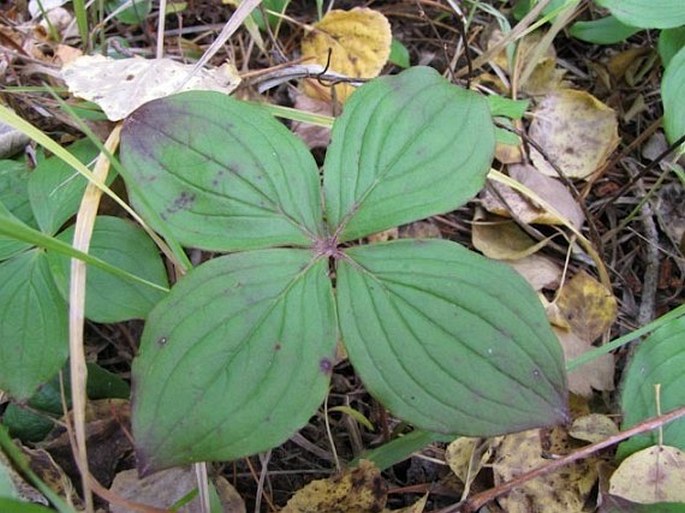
(328, 247)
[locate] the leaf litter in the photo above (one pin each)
(561, 123)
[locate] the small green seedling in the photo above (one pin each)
(239, 355)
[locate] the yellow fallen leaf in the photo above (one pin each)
(593, 428)
(588, 307)
(359, 44)
(563, 491)
(359, 490)
(466, 457)
(655, 474)
(577, 132)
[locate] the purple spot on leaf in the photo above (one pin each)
(326, 365)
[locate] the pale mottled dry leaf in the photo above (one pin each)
(11, 141)
(121, 86)
(359, 490)
(593, 428)
(670, 211)
(589, 308)
(661, 471)
(231, 501)
(564, 491)
(597, 374)
(576, 131)
(466, 457)
(507, 202)
(161, 489)
(546, 77)
(359, 41)
(538, 270)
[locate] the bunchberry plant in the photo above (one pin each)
(239, 355)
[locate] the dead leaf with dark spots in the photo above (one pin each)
(358, 490)
(588, 307)
(577, 132)
(502, 239)
(563, 491)
(662, 476)
(593, 428)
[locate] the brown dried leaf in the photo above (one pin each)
(597, 374)
(588, 307)
(417, 507)
(661, 471)
(564, 491)
(314, 136)
(360, 490)
(538, 270)
(359, 42)
(576, 131)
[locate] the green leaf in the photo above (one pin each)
(506, 107)
(223, 174)
(647, 13)
(132, 15)
(55, 189)
(672, 94)
(9, 246)
(8, 505)
(406, 147)
(670, 43)
(14, 203)
(399, 55)
(437, 336)
(33, 325)
(110, 298)
(14, 177)
(29, 425)
(235, 359)
(400, 448)
(603, 31)
(660, 358)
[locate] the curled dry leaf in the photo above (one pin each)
(505, 201)
(502, 239)
(121, 86)
(359, 44)
(662, 471)
(358, 490)
(563, 491)
(577, 132)
(588, 307)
